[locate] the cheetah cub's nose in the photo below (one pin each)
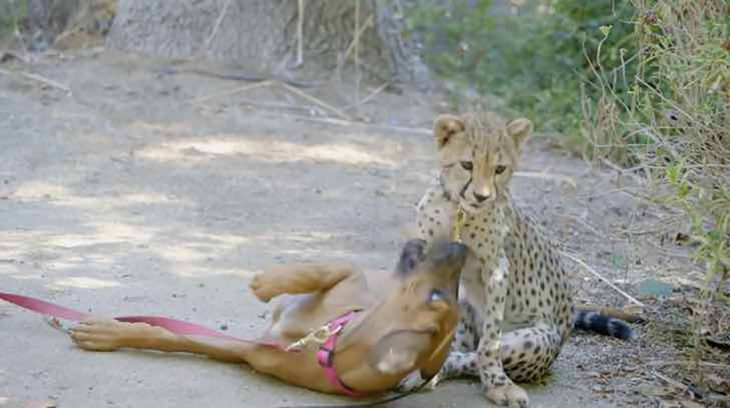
(480, 197)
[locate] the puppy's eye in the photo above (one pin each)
(467, 165)
(436, 295)
(500, 169)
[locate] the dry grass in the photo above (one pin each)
(674, 125)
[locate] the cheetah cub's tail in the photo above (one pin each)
(603, 323)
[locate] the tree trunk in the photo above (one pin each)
(261, 35)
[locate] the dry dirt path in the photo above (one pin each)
(124, 198)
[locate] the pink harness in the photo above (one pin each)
(325, 354)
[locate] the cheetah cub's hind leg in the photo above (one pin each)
(528, 353)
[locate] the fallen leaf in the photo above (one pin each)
(594, 374)
(717, 342)
(14, 403)
(601, 390)
(654, 287)
(649, 390)
(718, 384)
(682, 239)
(691, 404)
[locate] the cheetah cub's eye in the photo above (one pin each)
(467, 165)
(500, 169)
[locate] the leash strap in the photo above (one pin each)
(176, 326)
(325, 355)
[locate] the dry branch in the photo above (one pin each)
(547, 176)
(232, 92)
(41, 79)
(318, 102)
(346, 123)
(300, 34)
(218, 22)
(368, 98)
(599, 276)
(367, 24)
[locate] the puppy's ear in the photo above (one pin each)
(519, 129)
(437, 359)
(414, 251)
(397, 353)
(445, 127)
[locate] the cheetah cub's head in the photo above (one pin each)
(478, 153)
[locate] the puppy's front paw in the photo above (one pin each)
(414, 380)
(262, 287)
(98, 335)
(509, 395)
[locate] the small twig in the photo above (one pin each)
(688, 362)
(621, 170)
(599, 276)
(547, 176)
(581, 221)
(47, 81)
(668, 252)
(232, 92)
(300, 34)
(351, 47)
(314, 100)
(356, 40)
(217, 25)
(41, 79)
(368, 98)
(7, 54)
(385, 128)
(273, 105)
(674, 383)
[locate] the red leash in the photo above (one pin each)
(173, 325)
(325, 355)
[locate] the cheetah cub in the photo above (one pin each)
(517, 310)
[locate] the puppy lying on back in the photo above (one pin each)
(383, 338)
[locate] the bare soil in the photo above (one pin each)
(124, 197)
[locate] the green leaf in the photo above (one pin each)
(617, 261)
(653, 287)
(605, 30)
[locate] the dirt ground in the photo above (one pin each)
(124, 197)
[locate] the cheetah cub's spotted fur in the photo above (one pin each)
(517, 310)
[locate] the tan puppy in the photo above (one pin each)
(409, 328)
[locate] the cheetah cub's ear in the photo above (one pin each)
(446, 126)
(519, 129)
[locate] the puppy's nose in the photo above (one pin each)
(457, 250)
(480, 197)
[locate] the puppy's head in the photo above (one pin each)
(421, 314)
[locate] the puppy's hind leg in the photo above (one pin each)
(298, 279)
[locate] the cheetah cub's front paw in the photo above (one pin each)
(509, 395)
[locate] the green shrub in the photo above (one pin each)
(676, 123)
(533, 61)
(12, 13)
